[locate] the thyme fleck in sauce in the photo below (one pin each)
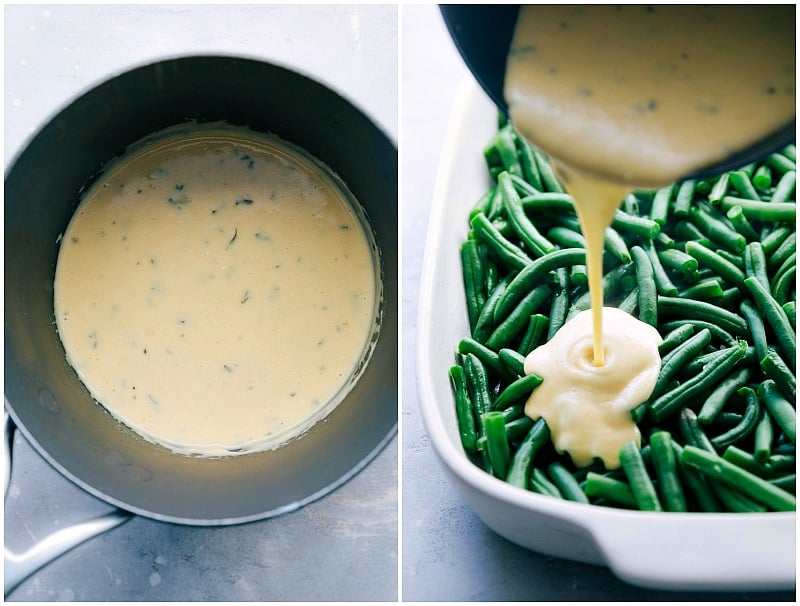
(220, 322)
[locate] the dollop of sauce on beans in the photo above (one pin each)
(624, 97)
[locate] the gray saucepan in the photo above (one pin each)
(44, 397)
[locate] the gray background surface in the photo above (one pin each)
(342, 547)
(447, 552)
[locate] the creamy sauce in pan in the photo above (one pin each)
(635, 96)
(216, 291)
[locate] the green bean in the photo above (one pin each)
(772, 238)
(527, 232)
(631, 302)
(790, 151)
(683, 198)
(720, 188)
(780, 163)
(505, 146)
(494, 428)
(636, 226)
(781, 287)
(513, 324)
(786, 249)
(642, 487)
(762, 178)
(567, 484)
(718, 333)
(672, 400)
(717, 229)
(746, 460)
(477, 384)
(519, 389)
(616, 245)
(707, 290)
(775, 368)
(509, 253)
(785, 187)
(559, 303)
(678, 260)
(715, 355)
(484, 325)
(689, 232)
(664, 284)
(697, 485)
(755, 263)
(517, 428)
(787, 482)
(540, 483)
(578, 276)
(790, 309)
(465, 417)
(762, 437)
(775, 316)
(763, 211)
(513, 412)
(702, 310)
(724, 390)
(513, 360)
(664, 240)
(603, 487)
(549, 180)
(748, 423)
(659, 210)
(731, 498)
(740, 223)
(533, 273)
(548, 201)
(520, 468)
(613, 282)
(488, 357)
(755, 323)
(535, 334)
(736, 259)
(751, 485)
(530, 170)
(674, 338)
(566, 237)
(742, 184)
(779, 408)
(630, 205)
(675, 360)
(482, 205)
(669, 485)
(473, 279)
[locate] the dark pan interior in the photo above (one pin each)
(43, 394)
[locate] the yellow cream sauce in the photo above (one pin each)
(636, 96)
(216, 291)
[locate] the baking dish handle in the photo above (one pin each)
(19, 567)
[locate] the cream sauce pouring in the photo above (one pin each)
(636, 96)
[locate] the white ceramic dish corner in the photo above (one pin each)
(657, 550)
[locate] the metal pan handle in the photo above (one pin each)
(19, 567)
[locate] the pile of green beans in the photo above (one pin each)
(711, 263)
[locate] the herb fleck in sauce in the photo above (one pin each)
(235, 341)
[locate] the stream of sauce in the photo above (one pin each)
(216, 290)
(624, 97)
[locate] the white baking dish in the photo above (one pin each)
(658, 550)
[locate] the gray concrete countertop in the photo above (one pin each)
(343, 547)
(448, 553)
